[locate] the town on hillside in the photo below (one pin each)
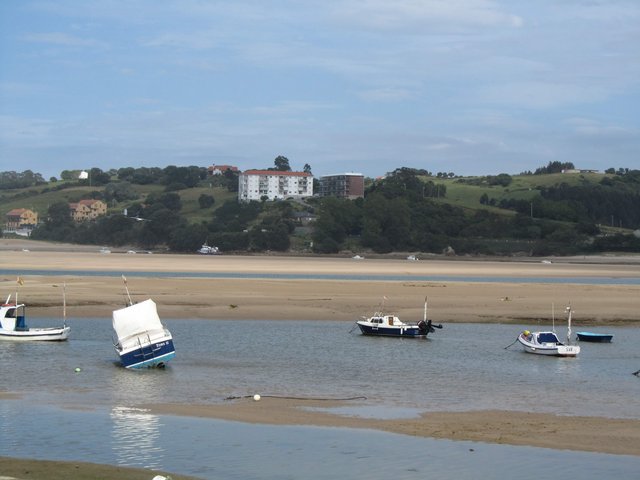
(557, 209)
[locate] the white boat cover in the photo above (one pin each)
(138, 318)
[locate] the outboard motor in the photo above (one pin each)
(425, 327)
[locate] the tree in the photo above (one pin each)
(97, 177)
(59, 213)
(120, 192)
(282, 164)
(188, 239)
(206, 201)
(554, 167)
(306, 168)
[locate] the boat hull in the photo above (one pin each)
(36, 334)
(390, 331)
(594, 337)
(149, 355)
(557, 350)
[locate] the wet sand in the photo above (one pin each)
(590, 434)
(184, 296)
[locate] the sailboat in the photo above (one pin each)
(142, 340)
(13, 324)
(548, 343)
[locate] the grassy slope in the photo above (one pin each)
(522, 187)
(33, 199)
(458, 194)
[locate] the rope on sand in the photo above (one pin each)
(300, 398)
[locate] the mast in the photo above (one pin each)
(569, 325)
(64, 305)
(124, 279)
(425, 309)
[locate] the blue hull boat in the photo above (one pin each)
(383, 325)
(594, 337)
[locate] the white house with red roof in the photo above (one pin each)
(274, 185)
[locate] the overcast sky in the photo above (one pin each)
(465, 86)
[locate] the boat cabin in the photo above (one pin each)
(12, 317)
(547, 337)
(386, 320)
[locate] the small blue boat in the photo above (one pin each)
(594, 337)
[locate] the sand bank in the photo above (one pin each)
(591, 434)
(186, 296)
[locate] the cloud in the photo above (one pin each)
(63, 39)
(411, 15)
(540, 95)
(388, 94)
(190, 41)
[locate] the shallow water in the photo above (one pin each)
(600, 280)
(215, 449)
(461, 367)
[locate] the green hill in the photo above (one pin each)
(405, 211)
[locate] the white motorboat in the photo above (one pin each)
(206, 249)
(548, 343)
(13, 325)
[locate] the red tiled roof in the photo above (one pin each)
(276, 172)
(223, 168)
(17, 211)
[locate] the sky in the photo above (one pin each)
(472, 87)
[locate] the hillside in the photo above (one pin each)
(406, 211)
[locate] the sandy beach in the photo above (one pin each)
(474, 300)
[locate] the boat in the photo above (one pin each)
(142, 340)
(384, 325)
(206, 249)
(548, 343)
(594, 337)
(13, 324)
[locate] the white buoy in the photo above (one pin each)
(78, 369)
(256, 397)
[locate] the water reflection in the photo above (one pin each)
(135, 387)
(135, 437)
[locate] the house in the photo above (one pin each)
(221, 169)
(21, 218)
(343, 185)
(87, 210)
(274, 185)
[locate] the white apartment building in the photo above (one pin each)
(274, 184)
